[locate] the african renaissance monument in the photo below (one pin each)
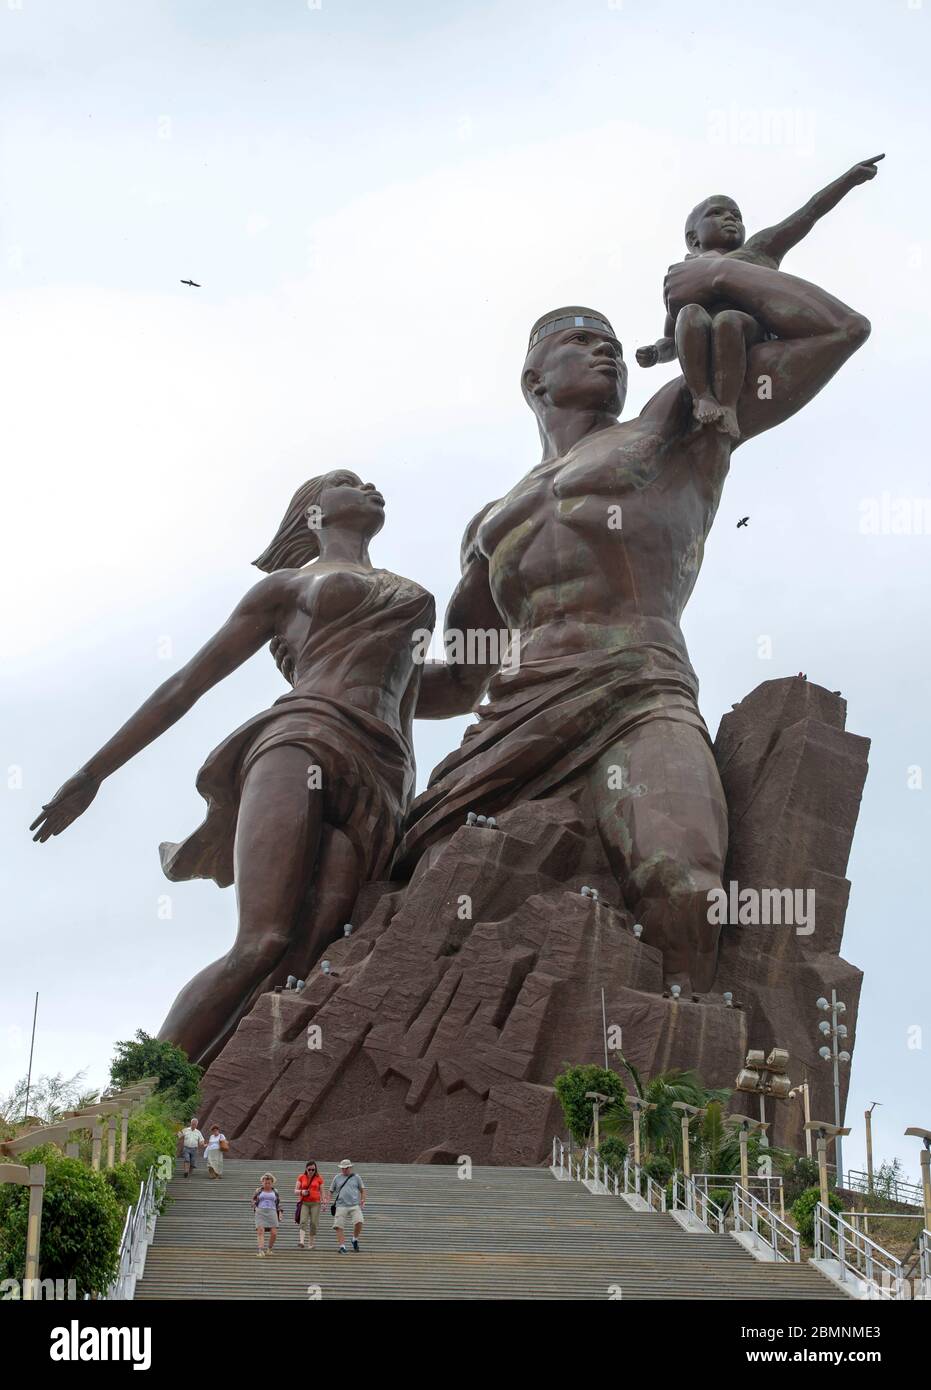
(451, 962)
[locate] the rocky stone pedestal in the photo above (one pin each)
(457, 999)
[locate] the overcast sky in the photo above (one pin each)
(378, 200)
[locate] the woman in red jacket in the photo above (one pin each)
(309, 1187)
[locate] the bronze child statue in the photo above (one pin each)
(306, 800)
(712, 344)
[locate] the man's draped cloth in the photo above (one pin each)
(546, 721)
(367, 766)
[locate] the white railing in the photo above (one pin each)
(588, 1167)
(768, 1188)
(562, 1157)
(138, 1229)
(858, 1258)
(924, 1264)
(766, 1228)
(639, 1183)
(688, 1196)
(893, 1189)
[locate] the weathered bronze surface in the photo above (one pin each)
(593, 556)
(306, 800)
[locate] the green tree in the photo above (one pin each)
(153, 1129)
(887, 1177)
(81, 1224)
(571, 1086)
(613, 1152)
(123, 1181)
(146, 1056)
(661, 1126)
(798, 1175)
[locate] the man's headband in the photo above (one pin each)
(570, 317)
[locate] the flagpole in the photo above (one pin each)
(31, 1046)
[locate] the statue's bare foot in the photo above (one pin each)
(682, 982)
(728, 423)
(706, 410)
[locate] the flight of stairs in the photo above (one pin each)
(512, 1233)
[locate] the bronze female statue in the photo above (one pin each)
(306, 800)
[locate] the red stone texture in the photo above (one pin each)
(459, 996)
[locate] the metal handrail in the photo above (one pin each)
(893, 1189)
(882, 1275)
(766, 1228)
(696, 1202)
(590, 1168)
(138, 1229)
(644, 1186)
(759, 1180)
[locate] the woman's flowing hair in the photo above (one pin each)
(295, 542)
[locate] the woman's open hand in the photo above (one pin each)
(69, 802)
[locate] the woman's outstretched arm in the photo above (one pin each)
(250, 625)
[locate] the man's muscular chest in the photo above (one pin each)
(578, 488)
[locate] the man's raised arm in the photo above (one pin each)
(448, 688)
(814, 333)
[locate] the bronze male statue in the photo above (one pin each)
(593, 556)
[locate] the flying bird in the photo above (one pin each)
(191, 282)
(742, 522)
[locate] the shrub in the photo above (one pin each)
(123, 1181)
(153, 1133)
(803, 1211)
(145, 1056)
(659, 1169)
(571, 1086)
(798, 1175)
(613, 1152)
(81, 1224)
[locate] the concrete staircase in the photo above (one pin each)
(513, 1233)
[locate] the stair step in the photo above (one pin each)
(506, 1233)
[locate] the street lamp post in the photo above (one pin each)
(598, 1099)
(835, 1054)
(637, 1107)
(804, 1090)
(868, 1116)
(925, 1136)
(823, 1132)
(746, 1126)
(688, 1114)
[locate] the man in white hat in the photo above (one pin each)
(348, 1192)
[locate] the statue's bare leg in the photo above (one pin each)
(277, 838)
(664, 830)
(732, 334)
(328, 903)
(693, 345)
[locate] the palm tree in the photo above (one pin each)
(661, 1126)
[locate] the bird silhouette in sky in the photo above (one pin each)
(742, 522)
(191, 282)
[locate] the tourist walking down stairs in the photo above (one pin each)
(214, 1150)
(309, 1188)
(191, 1141)
(267, 1207)
(348, 1192)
